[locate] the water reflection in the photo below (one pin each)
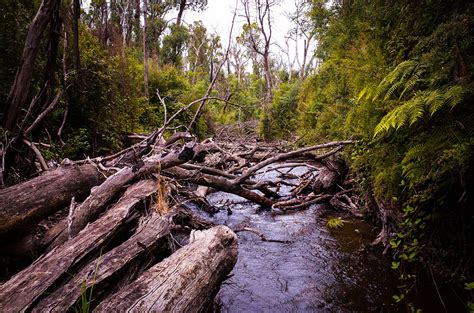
(320, 270)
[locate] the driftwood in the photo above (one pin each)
(330, 174)
(102, 255)
(98, 274)
(101, 195)
(187, 281)
(20, 292)
(24, 204)
(218, 183)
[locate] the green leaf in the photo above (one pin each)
(469, 286)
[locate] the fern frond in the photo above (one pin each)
(410, 111)
(435, 101)
(392, 90)
(454, 95)
(397, 76)
(362, 93)
(424, 101)
(415, 108)
(410, 84)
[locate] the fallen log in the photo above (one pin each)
(25, 204)
(91, 207)
(20, 292)
(292, 154)
(330, 174)
(187, 281)
(218, 183)
(149, 244)
(102, 272)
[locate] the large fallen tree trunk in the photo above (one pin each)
(101, 195)
(187, 281)
(24, 204)
(102, 272)
(149, 244)
(20, 292)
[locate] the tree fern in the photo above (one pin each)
(409, 112)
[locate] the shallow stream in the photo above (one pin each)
(319, 269)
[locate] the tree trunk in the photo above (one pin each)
(221, 184)
(182, 7)
(19, 92)
(24, 204)
(332, 173)
(101, 195)
(20, 292)
(145, 48)
(268, 78)
(75, 30)
(187, 281)
(99, 273)
(92, 206)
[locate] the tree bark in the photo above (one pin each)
(75, 29)
(20, 292)
(92, 206)
(99, 273)
(182, 7)
(187, 281)
(219, 183)
(145, 48)
(24, 204)
(19, 92)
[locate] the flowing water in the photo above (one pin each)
(318, 269)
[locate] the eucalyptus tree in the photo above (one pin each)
(257, 14)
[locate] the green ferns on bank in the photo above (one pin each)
(419, 103)
(398, 78)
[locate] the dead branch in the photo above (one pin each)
(289, 155)
(43, 114)
(38, 154)
(259, 234)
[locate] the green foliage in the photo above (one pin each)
(173, 45)
(395, 76)
(280, 120)
(111, 101)
(404, 80)
(15, 18)
(335, 222)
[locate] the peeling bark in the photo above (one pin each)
(24, 204)
(21, 291)
(187, 281)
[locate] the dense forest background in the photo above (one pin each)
(394, 75)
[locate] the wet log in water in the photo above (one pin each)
(187, 281)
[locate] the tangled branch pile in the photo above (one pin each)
(106, 230)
